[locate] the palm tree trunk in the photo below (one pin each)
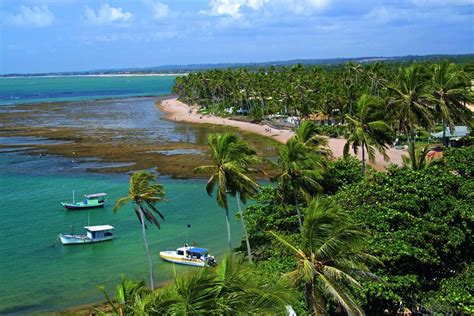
(297, 208)
(249, 251)
(444, 131)
(313, 306)
(229, 242)
(145, 241)
(363, 160)
(308, 297)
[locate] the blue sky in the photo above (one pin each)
(68, 35)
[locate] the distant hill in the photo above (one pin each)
(177, 69)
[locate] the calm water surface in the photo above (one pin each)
(69, 88)
(38, 274)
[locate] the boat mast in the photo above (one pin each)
(73, 197)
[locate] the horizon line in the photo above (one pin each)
(156, 69)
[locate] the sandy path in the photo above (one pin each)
(180, 112)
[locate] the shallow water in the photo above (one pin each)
(70, 88)
(39, 274)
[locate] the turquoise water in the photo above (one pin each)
(69, 88)
(39, 274)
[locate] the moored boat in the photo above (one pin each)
(93, 234)
(90, 201)
(193, 256)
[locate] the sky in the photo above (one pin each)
(75, 35)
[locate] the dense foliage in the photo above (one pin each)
(326, 225)
(414, 95)
(231, 288)
(419, 223)
(461, 160)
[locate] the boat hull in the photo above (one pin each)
(171, 256)
(81, 239)
(78, 206)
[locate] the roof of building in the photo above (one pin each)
(458, 132)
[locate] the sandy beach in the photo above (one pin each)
(178, 111)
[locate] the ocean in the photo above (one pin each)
(20, 90)
(37, 273)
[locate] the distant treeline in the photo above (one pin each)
(177, 69)
(413, 94)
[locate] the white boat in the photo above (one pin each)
(93, 234)
(192, 256)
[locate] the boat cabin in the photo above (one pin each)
(99, 232)
(95, 199)
(192, 252)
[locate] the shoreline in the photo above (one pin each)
(178, 111)
(100, 75)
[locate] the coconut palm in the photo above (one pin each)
(144, 192)
(366, 129)
(127, 293)
(411, 100)
(330, 258)
(307, 134)
(418, 158)
(300, 172)
(450, 89)
(232, 288)
(231, 157)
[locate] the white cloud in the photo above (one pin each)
(106, 14)
(160, 10)
(232, 7)
(306, 6)
(34, 16)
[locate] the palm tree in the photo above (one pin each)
(307, 134)
(450, 89)
(300, 171)
(127, 294)
(330, 257)
(144, 192)
(411, 100)
(232, 288)
(367, 129)
(231, 157)
(418, 159)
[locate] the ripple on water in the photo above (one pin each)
(28, 140)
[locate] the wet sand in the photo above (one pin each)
(121, 135)
(181, 112)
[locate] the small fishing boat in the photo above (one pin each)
(192, 256)
(90, 201)
(93, 234)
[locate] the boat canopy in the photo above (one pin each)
(197, 250)
(96, 195)
(98, 228)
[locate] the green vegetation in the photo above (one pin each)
(368, 243)
(144, 192)
(366, 129)
(415, 97)
(329, 254)
(229, 289)
(231, 157)
(327, 238)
